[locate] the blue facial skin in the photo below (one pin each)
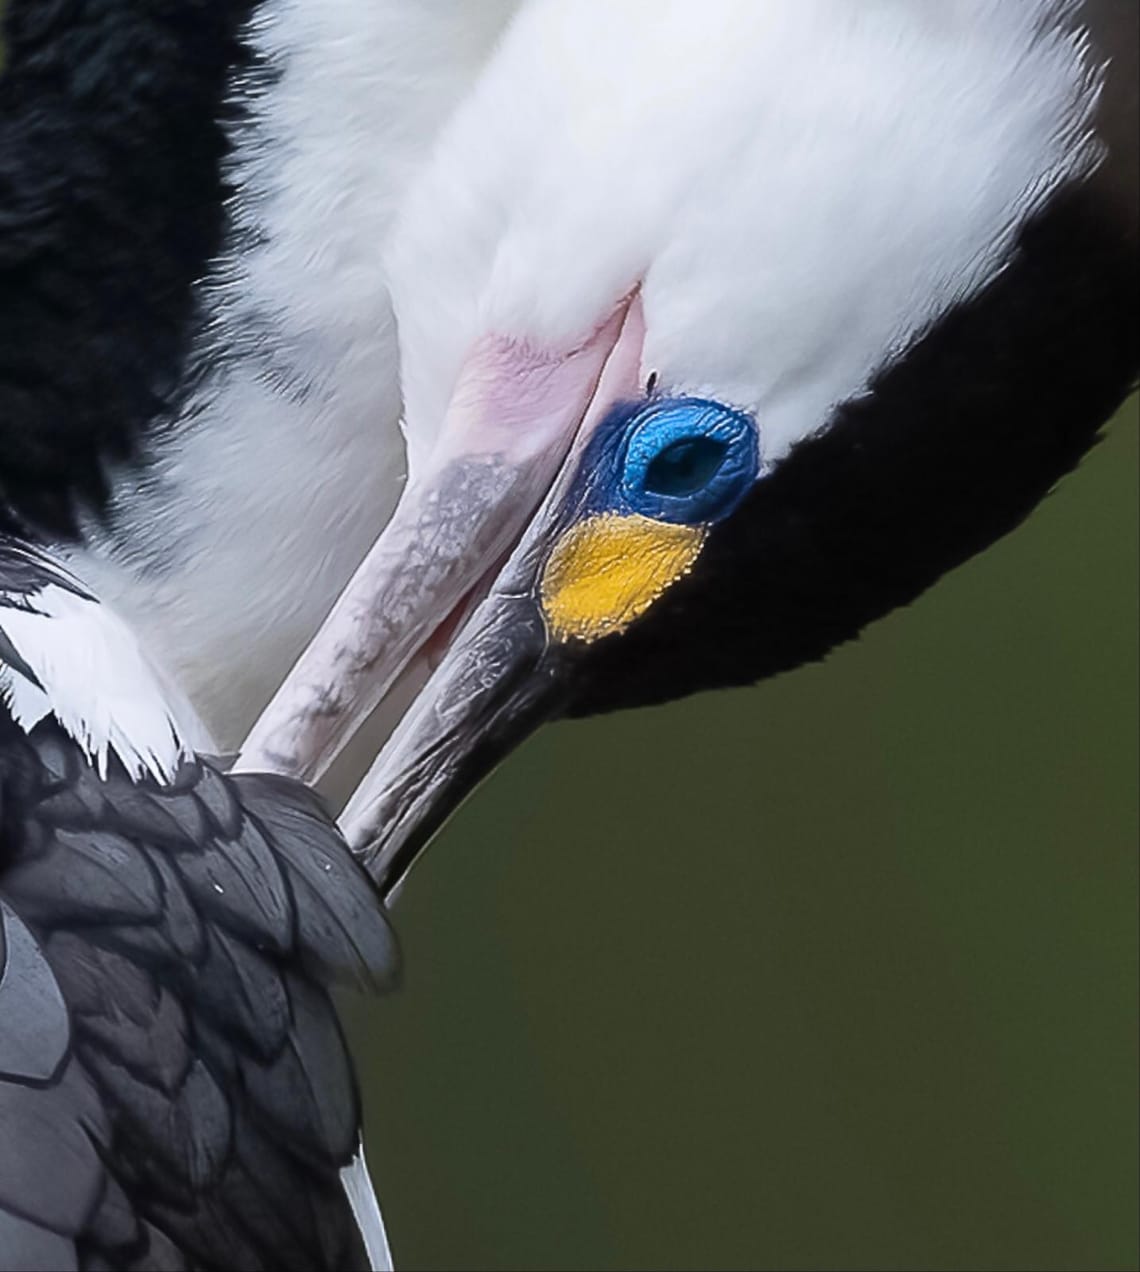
(686, 460)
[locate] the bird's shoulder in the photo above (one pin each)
(112, 145)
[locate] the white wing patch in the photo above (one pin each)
(90, 674)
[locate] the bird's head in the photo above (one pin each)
(721, 336)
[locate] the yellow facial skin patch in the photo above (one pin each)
(608, 570)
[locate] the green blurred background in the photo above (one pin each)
(840, 971)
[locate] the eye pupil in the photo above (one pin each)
(685, 466)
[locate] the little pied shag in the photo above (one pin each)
(175, 1092)
(243, 242)
(728, 327)
(725, 328)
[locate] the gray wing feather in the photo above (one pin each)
(175, 1090)
(30, 995)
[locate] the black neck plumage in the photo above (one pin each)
(112, 184)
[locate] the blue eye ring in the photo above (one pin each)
(688, 460)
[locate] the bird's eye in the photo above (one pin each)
(688, 460)
(685, 467)
(652, 481)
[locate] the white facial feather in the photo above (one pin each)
(803, 186)
(94, 679)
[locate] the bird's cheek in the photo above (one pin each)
(607, 570)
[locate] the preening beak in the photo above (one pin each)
(498, 681)
(517, 422)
